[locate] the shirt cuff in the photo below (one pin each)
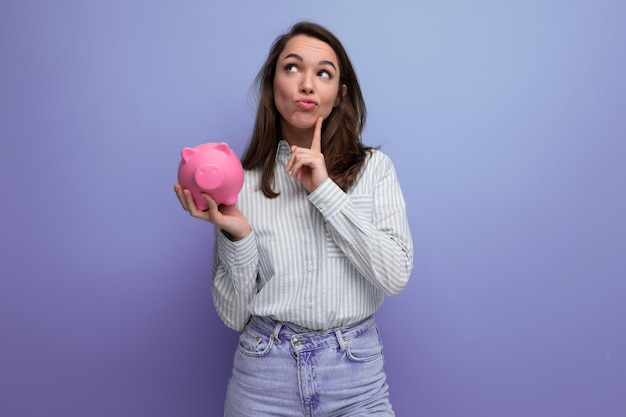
(328, 198)
(236, 254)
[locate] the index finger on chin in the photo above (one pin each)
(316, 143)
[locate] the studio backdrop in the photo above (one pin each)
(505, 121)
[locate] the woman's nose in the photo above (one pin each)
(307, 84)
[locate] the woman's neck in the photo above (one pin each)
(297, 137)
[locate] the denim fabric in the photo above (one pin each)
(283, 370)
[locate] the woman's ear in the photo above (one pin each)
(341, 94)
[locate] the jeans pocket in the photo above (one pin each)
(254, 344)
(366, 347)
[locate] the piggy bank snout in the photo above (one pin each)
(209, 176)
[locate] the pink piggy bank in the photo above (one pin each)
(212, 168)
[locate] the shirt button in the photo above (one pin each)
(295, 340)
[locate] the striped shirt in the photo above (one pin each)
(320, 260)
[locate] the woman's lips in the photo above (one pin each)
(306, 104)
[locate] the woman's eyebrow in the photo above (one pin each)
(295, 56)
(331, 63)
(299, 58)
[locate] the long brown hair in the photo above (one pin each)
(343, 150)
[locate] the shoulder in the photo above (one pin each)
(378, 156)
(379, 161)
(377, 168)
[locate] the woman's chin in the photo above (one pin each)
(302, 123)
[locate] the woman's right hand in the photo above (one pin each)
(227, 218)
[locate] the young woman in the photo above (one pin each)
(317, 238)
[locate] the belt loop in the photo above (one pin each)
(342, 343)
(276, 331)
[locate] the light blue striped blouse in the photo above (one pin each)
(320, 260)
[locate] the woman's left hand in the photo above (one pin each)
(307, 165)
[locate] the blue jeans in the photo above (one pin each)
(284, 370)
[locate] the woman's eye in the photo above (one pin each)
(291, 68)
(324, 74)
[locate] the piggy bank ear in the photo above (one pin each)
(187, 153)
(223, 147)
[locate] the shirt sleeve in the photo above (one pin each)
(234, 278)
(379, 245)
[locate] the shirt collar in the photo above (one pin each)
(284, 152)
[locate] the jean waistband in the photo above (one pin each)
(300, 336)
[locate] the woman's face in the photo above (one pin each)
(306, 85)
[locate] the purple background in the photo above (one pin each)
(506, 122)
